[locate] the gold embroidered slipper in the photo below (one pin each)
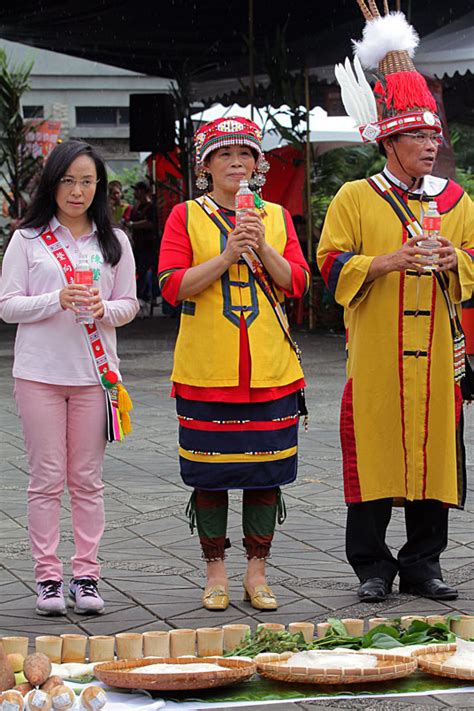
(261, 598)
(215, 597)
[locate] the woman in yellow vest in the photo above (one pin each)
(236, 377)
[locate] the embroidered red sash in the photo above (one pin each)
(96, 348)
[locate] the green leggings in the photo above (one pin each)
(260, 509)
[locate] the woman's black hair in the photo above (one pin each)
(43, 206)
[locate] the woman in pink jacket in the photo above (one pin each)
(58, 391)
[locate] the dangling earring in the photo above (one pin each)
(259, 176)
(253, 182)
(263, 166)
(202, 181)
(257, 181)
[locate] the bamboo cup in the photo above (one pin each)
(271, 626)
(436, 619)
(156, 643)
(129, 645)
(406, 620)
(51, 646)
(463, 627)
(210, 641)
(354, 626)
(183, 643)
(322, 628)
(306, 629)
(375, 621)
(233, 635)
(15, 645)
(101, 648)
(74, 648)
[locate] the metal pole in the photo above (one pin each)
(251, 58)
(309, 217)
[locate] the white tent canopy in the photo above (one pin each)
(448, 50)
(324, 129)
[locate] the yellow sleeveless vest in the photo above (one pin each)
(207, 348)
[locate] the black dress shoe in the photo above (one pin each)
(374, 590)
(434, 589)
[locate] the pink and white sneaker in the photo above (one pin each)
(84, 596)
(50, 600)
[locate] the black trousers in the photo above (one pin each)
(145, 259)
(426, 525)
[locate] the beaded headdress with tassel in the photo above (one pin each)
(401, 99)
(229, 131)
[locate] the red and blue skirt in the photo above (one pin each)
(228, 445)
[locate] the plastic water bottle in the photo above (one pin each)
(83, 275)
(244, 201)
(431, 225)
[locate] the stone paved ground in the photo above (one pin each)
(152, 573)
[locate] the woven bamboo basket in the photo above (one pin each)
(437, 663)
(410, 651)
(389, 666)
(120, 674)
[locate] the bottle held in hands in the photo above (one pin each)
(431, 225)
(83, 275)
(244, 201)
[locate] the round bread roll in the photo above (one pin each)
(23, 688)
(51, 683)
(14, 701)
(38, 700)
(37, 668)
(62, 697)
(92, 698)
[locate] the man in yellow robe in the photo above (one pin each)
(401, 413)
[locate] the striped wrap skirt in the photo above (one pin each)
(228, 445)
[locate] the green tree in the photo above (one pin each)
(336, 167)
(17, 165)
(462, 140)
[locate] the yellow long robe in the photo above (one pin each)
(401, 412)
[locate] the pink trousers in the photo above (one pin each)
(64, 429)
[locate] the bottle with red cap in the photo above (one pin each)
(83, 275)
(431, 225)
(244, 201)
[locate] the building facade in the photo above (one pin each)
(90, 99)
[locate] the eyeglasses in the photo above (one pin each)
(85, 183)
(420, 138)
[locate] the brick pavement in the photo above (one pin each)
(152, 573)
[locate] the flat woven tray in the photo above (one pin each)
(437, 663)
(389, 666)
(120, 674)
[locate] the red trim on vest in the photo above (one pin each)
(428, 386)
(446, 200)
(352, 491)
(449, 197)
(400, 368)
(457, 402)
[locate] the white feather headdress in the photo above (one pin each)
(390, 33)
(356, 93)
(388, 46)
